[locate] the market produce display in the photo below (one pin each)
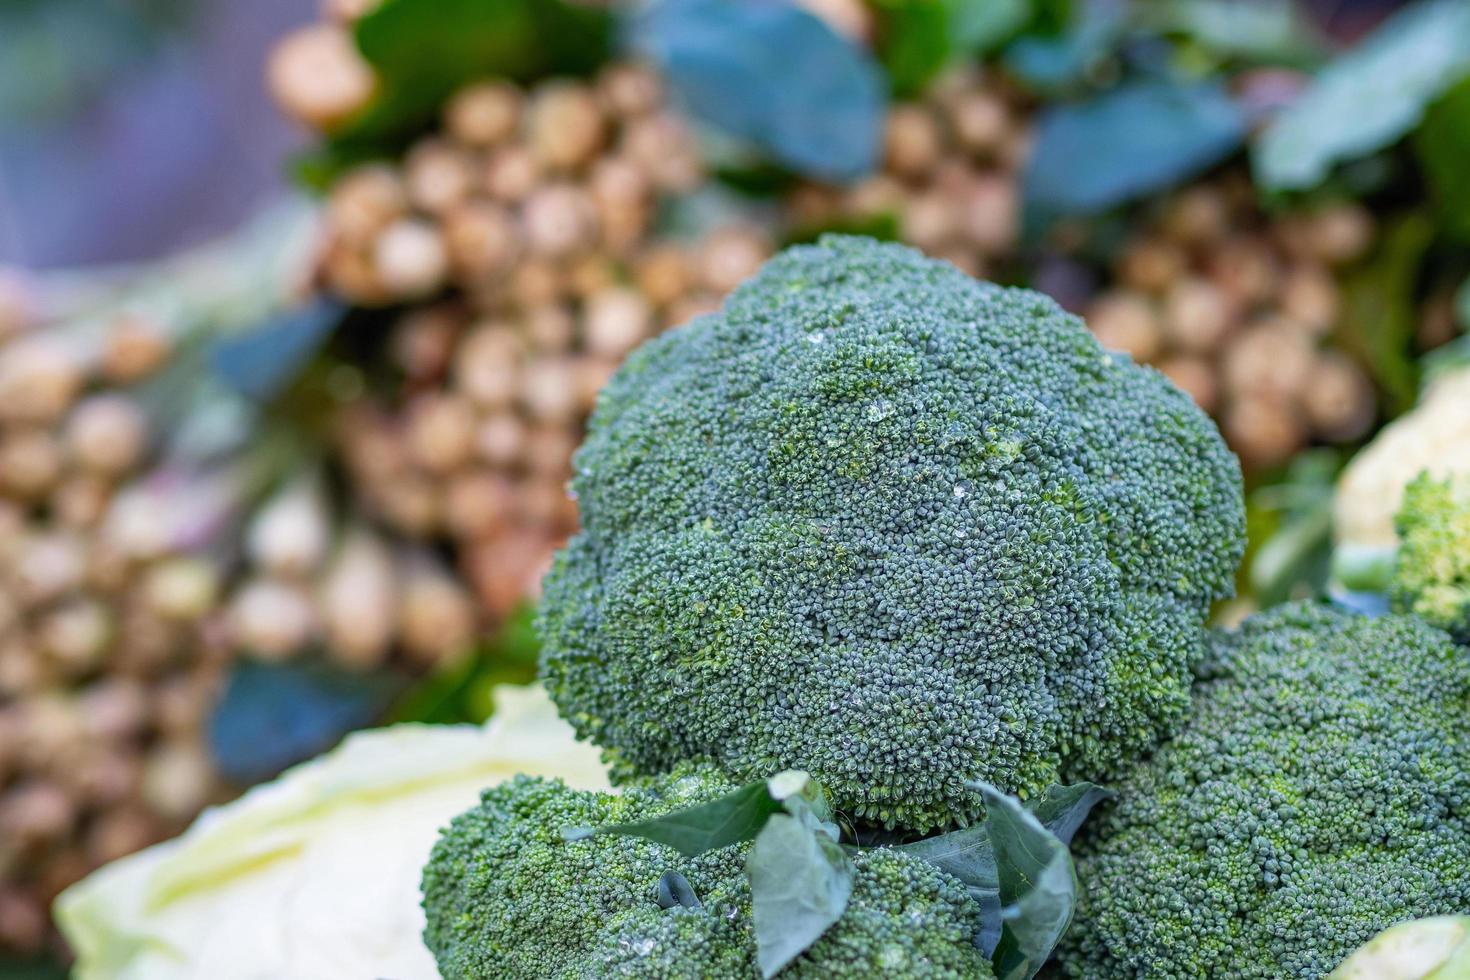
(1095, 440)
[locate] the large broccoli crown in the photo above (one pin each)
(1320, 793)
(506, 897)
(895, 527)
(1432, 572)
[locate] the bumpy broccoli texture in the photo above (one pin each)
(506, 897)
(893, 526)
(1432, 571)
(1320, 793)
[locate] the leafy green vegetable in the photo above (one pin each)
(1378, 318)
(1260, 31)
(1443, 147)
(800, 883)
(1038, 887)
(1134, 140)
(773, 75)
(1368, 98)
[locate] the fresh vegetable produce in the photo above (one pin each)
(507, 896)
(894, 527)
(1316, 795)
(1432, 569)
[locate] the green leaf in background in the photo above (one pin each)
(1462, 305)
(918, 39)
(1135, 140)
(1368, 98)
(1259, 31)
(773, 75)
(1378, 319)
(260, 362)
(1038, 887)
(462, 692)
(915, 42)
(800, 883)
(731, 819)
(1290, 525)
(1443, 147)
(1055, 63)
(422, 50)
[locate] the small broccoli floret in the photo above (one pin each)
(895, 527)
(506, 897)
(1432, 572)
(1319, 793)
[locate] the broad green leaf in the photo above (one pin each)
(1135, 140)
(800, 883)
(1443, 147)
(1038, 888)
(773, 75)
(969, 856)
(915, 42)
(1054, 63)
(731, 819)
(1378, 318)
(1368, 98)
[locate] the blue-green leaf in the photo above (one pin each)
(1132, 141)
(771, 74)
(1368, 98)
(1038, 887)
(800, 883)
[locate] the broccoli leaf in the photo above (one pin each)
(1443, 145)
(1368, 98)
(969, 855)
(1038, 887)
(800, 883)
(1136, 139)
(731, 819)
(773, 75)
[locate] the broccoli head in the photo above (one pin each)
(892, 526)
(1432, 571)
(506, 897)
(1319, 793)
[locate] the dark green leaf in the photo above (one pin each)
(1135, 140)
(1378, 319)
(914, 42)
(1368, 98)
(800, 882)
(422, 50)
(673, 890)
(261, 361)
(731, 819)
(968, 855)
(1443, 146)
(1038, 888)
(773, 75)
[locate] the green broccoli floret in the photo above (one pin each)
(507, 897)
(1432, 572)
(1319, 793)
(892, 526)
